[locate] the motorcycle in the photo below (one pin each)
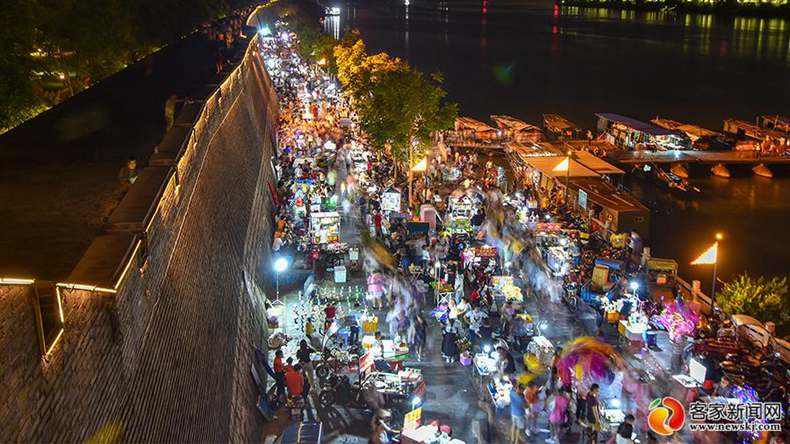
(344, 392)
(334, 360)
(570, 295)
(295, 406)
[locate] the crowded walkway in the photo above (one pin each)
(464, 310)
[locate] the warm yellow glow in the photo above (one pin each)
(709, 257)
(564, 165)
(421, 165)
(718, 236)
(321, 62)
(60, 304)
(16, 281)
(86, 287)
(55, 342)
(128, 264)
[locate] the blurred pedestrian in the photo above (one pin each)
(128, 174)
(170, 111)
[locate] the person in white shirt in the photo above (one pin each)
(475, 318)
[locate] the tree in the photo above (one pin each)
(18, 40)
(760, 298)
(397, 105)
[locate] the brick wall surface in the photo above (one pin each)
(168, 357)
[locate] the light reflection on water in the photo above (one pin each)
(525, 59)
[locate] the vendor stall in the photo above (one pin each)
(302, 188)
(390, 201)
(460, 215)
(429, 214)
(484, 257)
(500, 396)
(392, 350)
(661, 275)
(503, 289)
(557, 246)
(485, 364)
(427, 434)
(542, 348)
(325, 227)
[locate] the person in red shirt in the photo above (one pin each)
(295, 381)
(279, 373)
(279, 367)
(475, 296)
(329, 313)
(377, 223)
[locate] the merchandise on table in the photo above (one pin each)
(393, 350)
(542, 348)
(632, 332)
(427, 434)
(325, 227)
(612, 417)
(484, 363)
(523, 325)
(503, 289)
(301, 192)
(500, 393)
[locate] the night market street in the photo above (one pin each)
(487, 274)
(395, 222)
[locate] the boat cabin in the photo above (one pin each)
(768, 139)
(472, 129)
(515, 130)
(777, 123)
(560, 128)
(633, 134)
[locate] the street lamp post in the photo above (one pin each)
(567, 178)
(711, 257)
(715, 264)
(280, 265)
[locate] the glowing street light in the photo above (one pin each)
(280, 265)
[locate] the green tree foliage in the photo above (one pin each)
(760, 298)
(53, 49)
(397, 105)
(17, 40)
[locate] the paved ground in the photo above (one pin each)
(451, 395)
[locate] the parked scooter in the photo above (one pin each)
(295, 406)
(344, 392)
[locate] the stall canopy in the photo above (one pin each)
(596, 164)
(607, 196)
(531, 149)
(546, 165)
(507, 122)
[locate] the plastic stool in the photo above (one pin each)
(343, 333)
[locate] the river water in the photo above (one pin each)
(529, 58)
